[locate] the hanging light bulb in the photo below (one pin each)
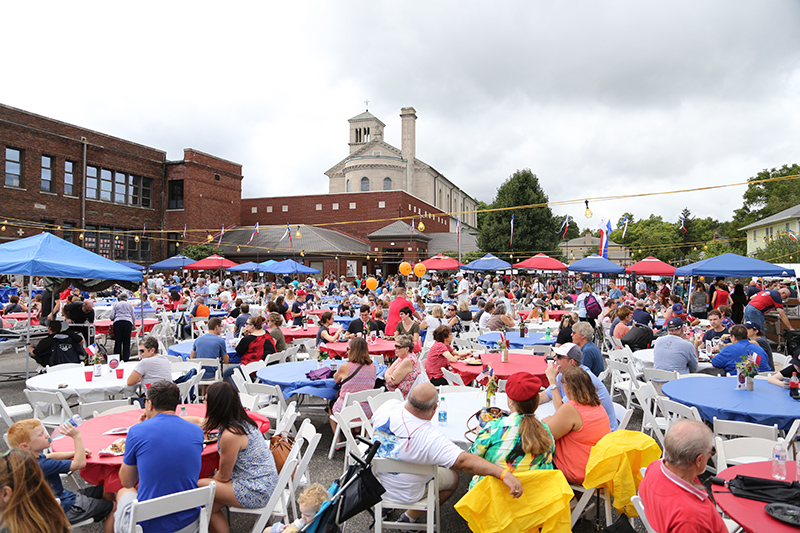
(136, 238)
(302, 254)
(238, 249)
(58, 228)
(588, 211)
(298, 234)
(367, 257)
(79, 236)
(209, 237)
(177, 245)
(3, 227)
(695, 248)
(511, 256)
(421, 225)
(116, 237)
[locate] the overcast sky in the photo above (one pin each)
(596, 98)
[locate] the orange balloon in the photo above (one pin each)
(372, 284)
(405, 268)
(419, 270)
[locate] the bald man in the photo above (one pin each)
(407, 434)
(674, 499)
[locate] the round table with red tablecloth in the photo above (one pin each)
(555, 314)
(750, 514)
(105, 470)
(293, 333)
(23, 316)
(517, 362)
(102, 327)
(382, 347)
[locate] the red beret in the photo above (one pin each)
(522, 386)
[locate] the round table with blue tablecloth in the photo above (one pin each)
(6, 292)
(219, 313)
(183, 349)
(291, 378)
(517, 342)
(344, 320)
(766, 404)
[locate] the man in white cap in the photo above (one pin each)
(462, 292)
(566, 355)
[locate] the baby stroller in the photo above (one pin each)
(356, 491)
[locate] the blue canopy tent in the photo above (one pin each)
(290, 266)
(250, 266)
(267, 263)
(131, 265)
(172, 263)
(487, 262)
(49, 256)
(596, 264)
(733, 265)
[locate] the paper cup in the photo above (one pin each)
(120, 372)
(89, 374)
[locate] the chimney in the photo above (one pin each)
(408, 116)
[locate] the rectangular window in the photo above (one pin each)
(47, 173)
(381, 205)
(90, 238)
(269, 209)
(252, 210)
(173, 243)
(120, 188)
(133, 248)
(319, 207)
(147, 191)
(91, 182)
(119, 247)
(175, 194)
(69, 178)
(68, 232)
(104, 242)
(285, 208)
(13, 167)
(134, 188)
(335, 207)
(352, 205)
(144, 250)
(106, 184)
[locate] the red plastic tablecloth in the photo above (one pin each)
(382, 347)
(291, 334)
(750, 514)
(23, 316)
(517, 362)
(105, 470)
(103, 326)
(556, 315)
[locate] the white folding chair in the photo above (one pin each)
(623, 415)
(185, 366)
(352, 416)
(277, 502)
(199, 326)
(453, 378)
(780, 360)
(306, 442)
(88, 410)
(429, 502)
(251, 368)
(8, 412)
(743, 450)
(639, 506)
(172, 503)
(349, 399)
(727, 429)
(62, 367)
(623, 379)
(651, 421)
(239, 380)
(49, 407)
(376, 401)
(270, 400)
(286, 423)
(173, 358)
(674, 411)
(658, 377)
(186, 388)
(210, 364)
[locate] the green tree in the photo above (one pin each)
(535, 229)
(651, 236)
(200, 251)
(781, 249)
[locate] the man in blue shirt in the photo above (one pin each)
(162, 455)
(571, 354)
(672, 352)
(582, 334)
(241, 320)
(741, 347)
(210, 346)
(640, 316)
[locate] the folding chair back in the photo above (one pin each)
(674, 411)
(351, 417)
(172, 503)
(88, 410)
(741, 451)
(277, 504)
(49, 407)
(453, 378)
(376, 401)
(639, 505)
(252, 368)
(429, 502)
(8, 412)
(652, 422)
(727, 429)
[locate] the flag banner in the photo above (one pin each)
(625, 227)
(184, 231)
(564, 227)
(221, 233)
(683, 224)
(255, 230)
(605, 231)
(291, 242)
(511, 241)
(144, 228)
(792, 235)
(285, 233)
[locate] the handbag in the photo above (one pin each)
(280, 445)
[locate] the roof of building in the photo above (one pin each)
(583, 240)
(448, 242)
(400, 230)
(268, 240)
(792, 212)
(366, 115)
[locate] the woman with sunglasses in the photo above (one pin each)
(27, 504)
(405, 369)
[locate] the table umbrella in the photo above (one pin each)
(131, 265)
(487, 262)
(441, 262)
(214, 262)
(541, 262)
(650, 266)
(597, 265)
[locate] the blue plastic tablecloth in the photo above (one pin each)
(183, 349)
(291, 378)
(344, 320)
(766, 404)
(515, 340)
(218, 313)
(6, 292)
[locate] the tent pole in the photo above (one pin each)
(141, 310)
(28, 333)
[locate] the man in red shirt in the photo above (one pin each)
(763, 302)
(394, 310)
(673, 498)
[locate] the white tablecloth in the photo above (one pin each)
(644, 359)
(461, 406)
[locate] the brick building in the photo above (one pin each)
(102, 191)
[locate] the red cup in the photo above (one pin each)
(89, 374)
(120, 371)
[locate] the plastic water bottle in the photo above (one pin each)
(779, 455)
(75, 420)
(443, 419)
(184, 415)
(547, 334)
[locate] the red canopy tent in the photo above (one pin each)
(650, 266)
(441, 262)
(541, 262)
(214, 262)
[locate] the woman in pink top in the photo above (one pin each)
(441, 355)
(405, 369)
(356, 375)
(577, 425)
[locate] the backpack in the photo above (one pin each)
(639, 337)
(593, 307)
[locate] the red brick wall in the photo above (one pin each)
(302, 210)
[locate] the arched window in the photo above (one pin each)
(387, 184)
(364, 184)
(347, 187)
